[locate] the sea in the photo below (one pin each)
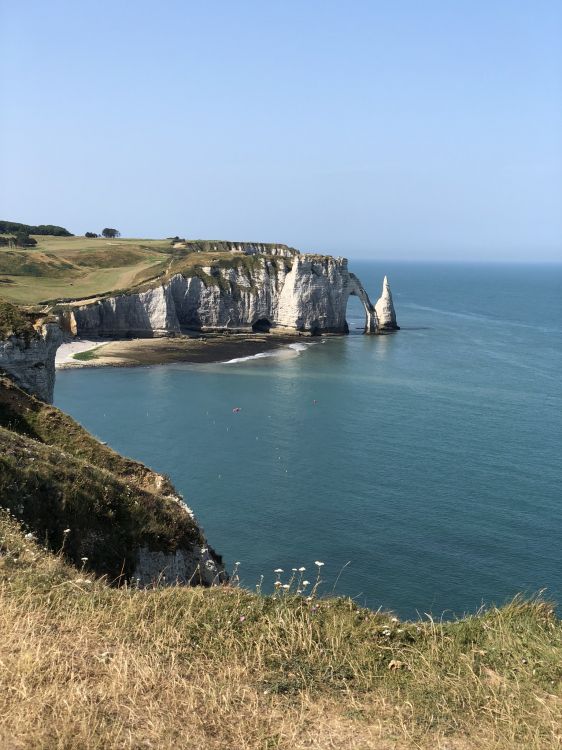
(423, 468)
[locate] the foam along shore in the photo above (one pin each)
(152, 351)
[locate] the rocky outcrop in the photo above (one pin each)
(307, 293)
(30, 359)
(107, 513)
(384, 309)
(197, 565)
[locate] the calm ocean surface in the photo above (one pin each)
(428, 472)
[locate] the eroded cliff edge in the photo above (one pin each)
(107, 513)
(240, 292)
(28, 345)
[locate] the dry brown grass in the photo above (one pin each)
(86, 666)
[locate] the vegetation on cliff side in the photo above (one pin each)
(14, 322)
(54, 476)
(210, 267)
(88, 666)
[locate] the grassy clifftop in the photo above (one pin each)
(87, 666)
(55, 476)
(62, 268)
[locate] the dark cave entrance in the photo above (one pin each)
(262, 325)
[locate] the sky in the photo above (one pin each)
(373, 129)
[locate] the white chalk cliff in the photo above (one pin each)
(30, 360)
(305, 293)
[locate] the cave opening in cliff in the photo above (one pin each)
(355, 315)
(263, 325)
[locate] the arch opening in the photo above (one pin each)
(263, 325)
(355, 315)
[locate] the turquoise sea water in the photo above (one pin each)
(424, 468)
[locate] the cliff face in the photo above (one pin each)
(29, 358)
(307, 293)
(106, 512)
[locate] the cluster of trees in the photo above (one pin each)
(19, 234)
(107, 232)
(19, 239)
(13, 227)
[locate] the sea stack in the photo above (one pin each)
(384, 309)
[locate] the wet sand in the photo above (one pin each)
(138, 352)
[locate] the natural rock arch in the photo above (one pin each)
(356, 290)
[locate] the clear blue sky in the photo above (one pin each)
(401, 128)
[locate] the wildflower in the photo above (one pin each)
(301, 570)
(237, 563)
(286, 586)
(84, 559)
(278, 570)
(30, 536)
(294, 570)
(277, 584)
(317, 562)
(394, 619)
(242, 618)
(386, 632)
(66, 531)
(305, 583)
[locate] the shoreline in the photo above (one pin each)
(138, 352)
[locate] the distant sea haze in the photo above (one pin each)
(424, 466)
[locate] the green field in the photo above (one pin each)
(69, 268)
(76, 267)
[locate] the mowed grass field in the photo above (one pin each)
(75, 267)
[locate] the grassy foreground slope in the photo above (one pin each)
(89, 666)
